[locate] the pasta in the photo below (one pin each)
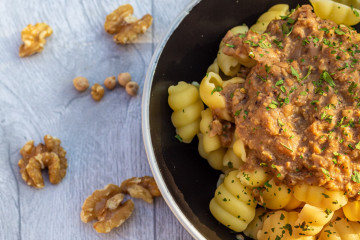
(230, 159)
(229, 65)
(312, 219)
(280, 225)
(320, 197)
(214, 158)
(276, 197)
(352, 211)
(233, 204)
(337, 11)
(214, 67)
(273, 13)
(257, 223)
(187, 106)
(210, 88)
(210, 143)
(239, 149)
(341, 229)
(254, 178)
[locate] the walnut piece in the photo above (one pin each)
(97, 92)
(110, 82)
(81, 83)
(125, 25)
(34, 159)
(144, 188)
(105, 206)
(34, 38)
(132, 88)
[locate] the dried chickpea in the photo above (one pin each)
(81, 83)
(124, 78)
(110, 82)
(97, 92)
(132, 88)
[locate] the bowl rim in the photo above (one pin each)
(145, 122)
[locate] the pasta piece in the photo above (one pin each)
(312, 219)
(280, 225)
(352, 211)
(230, 159)
(214, 158)
(320, 197)
(233, 204)
(229, 65)
(210, 88)
(293, 204)
(275, 197)
(210, 143)
(253, 178)
(257, 223)
(341, 229)
(275, 12)
(184, 100)
(214, 67)
(336, 11)
(239, 149)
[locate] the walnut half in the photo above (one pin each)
(125, 25)
(105, 206)
(34, 159)
(34, 38)
(143, 187)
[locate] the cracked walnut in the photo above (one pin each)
(34, 38)
(34, 159)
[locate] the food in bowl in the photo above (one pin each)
(281, 124)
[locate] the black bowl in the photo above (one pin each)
(186, 180)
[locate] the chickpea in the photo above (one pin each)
(81, 83)
(124, 78)
(110, 83)
(132, 88)
(97, 92)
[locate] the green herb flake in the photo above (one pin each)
(281, 124)
(216, 89)
(357, 146)
(230, 45)
(356, 13)
(278, 43)
(295, 73)
(326, 172)
(279, 82)
(287, 147)
(286, 30)
(303, 93)
(355, 177)
(338, 31)
(326, 76)
(177, 136)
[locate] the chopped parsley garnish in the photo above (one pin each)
(285, 29)
(238, 112)
(356, 13)
(325, 30)
(279, 82)
(357, 146)
(267, 184)
(326, 172)
(177, 136)
(287, 147)
(295, 73)
(338, 31)
(267, 68)
(307, 74)
(326, 76)
(356, 177)
(281, 124)
(230, 45)
(216, 89)
(278, 43)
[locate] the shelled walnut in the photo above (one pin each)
(34, 159)
(143, 187)
(105, 206)
(97, 92)
(34, 38)
(125, 25)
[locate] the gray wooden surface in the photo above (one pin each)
(103, 140)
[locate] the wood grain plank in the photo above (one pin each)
(103, 140)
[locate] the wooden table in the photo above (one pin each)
(103, 139)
